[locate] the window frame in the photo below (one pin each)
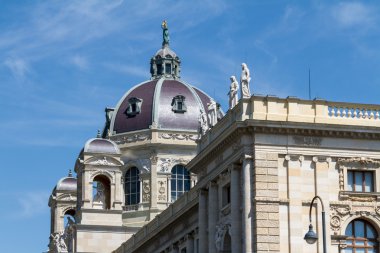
(134, 107)
(176, 102)
(175, 178)
(363, 176)
(137, 182)
(365, 240)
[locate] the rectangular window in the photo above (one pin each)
(360, 181)
(168, 68)
(226, 195)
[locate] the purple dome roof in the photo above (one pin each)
(98, 145)
(67, 184)
(157, 106)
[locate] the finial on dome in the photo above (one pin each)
(165, 33)
(98, 135)
(70, 174)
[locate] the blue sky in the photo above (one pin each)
(63, 62)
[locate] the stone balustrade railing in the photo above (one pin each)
(292, 109)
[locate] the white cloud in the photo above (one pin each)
(31, 204)
(352, 14)
(80, 62)
(18, 67)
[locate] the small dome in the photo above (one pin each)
(165, 52)
(99, 145)
(68, 183)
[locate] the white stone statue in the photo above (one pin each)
(203, 127)
(219, 235)
(244, 81)
(100, 198)
(212, 113)
(57, 242)
(233, 94)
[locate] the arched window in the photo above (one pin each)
(101, 192)
(132, 186)
(362, 237)
(180, 181)
(69, 217)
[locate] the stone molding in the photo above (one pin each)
(177, 136)
(131, 138)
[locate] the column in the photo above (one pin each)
(169, 188)
(247, 200)
(153, 183)
(235, 209)
(212, 215)
(202, 221)
(190, 243)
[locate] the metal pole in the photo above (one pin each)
(323, 221)
(324, 231)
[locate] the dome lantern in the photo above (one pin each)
(165, 63)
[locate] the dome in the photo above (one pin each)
(164, 103)
(99, 145)
(68, 183)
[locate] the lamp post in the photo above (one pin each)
(311, 237)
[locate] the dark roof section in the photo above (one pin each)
(142, 120)
(67, 184)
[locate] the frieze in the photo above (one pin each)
(103, 161)
(359, 160)
(166, 164)
(131, 138)
(181, 137)
(307, 140)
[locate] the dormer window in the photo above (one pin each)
(178, 104)
(134, 107)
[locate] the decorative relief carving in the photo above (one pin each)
(103, 161)
(145, 165)
(337, 213)
(180, 137)
(360, 160)
(166, 164)
(221, 229)
(307, 140)
(162, 190)
(335, 222)
(131, 138)
(146, 191)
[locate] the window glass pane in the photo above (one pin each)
(349, 230)
(359, 228)
(187, 185)
(358, 181)
(360, 250)
(359, 243)
(350, 181)
(180, 185)
(371, 233)
(368, 182)
(371, 251)
(347, 250)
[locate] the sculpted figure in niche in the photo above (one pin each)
(212, 114)
(100, 196)
(233, 94)
(203, 122)
(244, 81)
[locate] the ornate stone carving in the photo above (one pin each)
(337, 213)
(175, 136)
(360, 160)
(307, 141)
(203, 126)
(162, 191)
(166, 164)
(221, 229)
(145, 165)
(212, 113)
(57, 242)
(131, 138)
(103, 161)
(335, 222)
(146, 192)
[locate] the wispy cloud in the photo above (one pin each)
(80, 62)
(353, 14)
(18, 67)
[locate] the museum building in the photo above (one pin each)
(172, 173)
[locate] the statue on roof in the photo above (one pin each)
(233, 94)
(244, 81)
(165, 33)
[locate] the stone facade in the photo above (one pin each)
(260, 167)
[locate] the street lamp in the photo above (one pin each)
(311, 237)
